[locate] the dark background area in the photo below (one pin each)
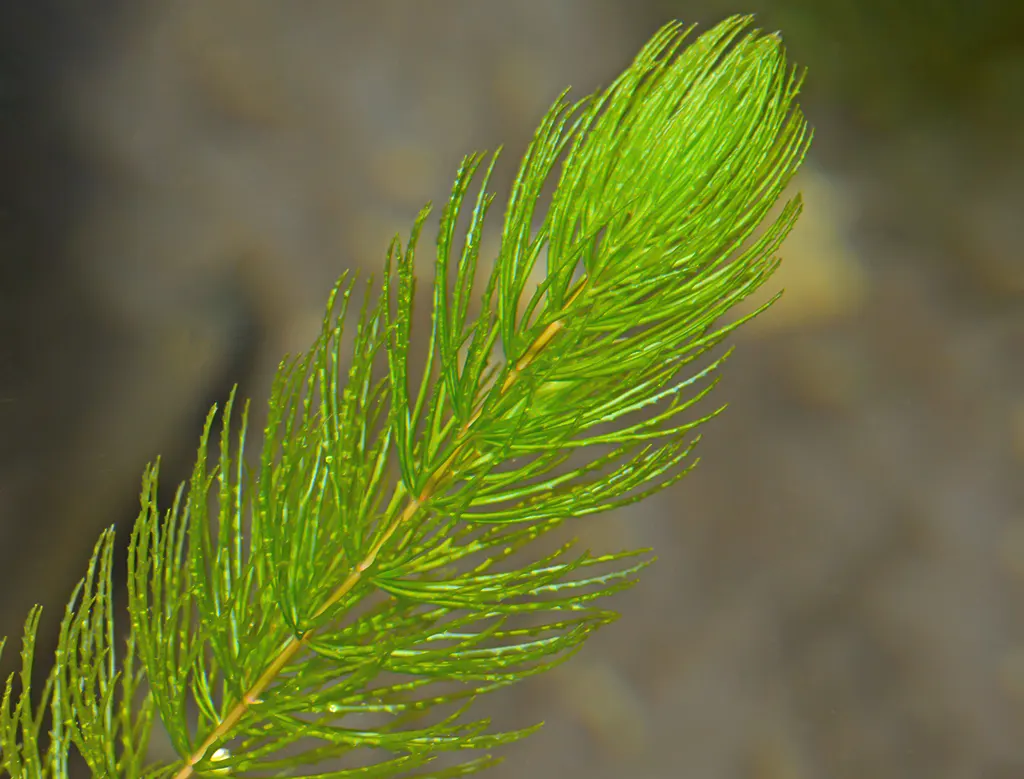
(839, 586)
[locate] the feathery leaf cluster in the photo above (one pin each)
(334, 608)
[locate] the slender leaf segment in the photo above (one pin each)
(363, 582)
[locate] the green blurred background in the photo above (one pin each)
(839, 587)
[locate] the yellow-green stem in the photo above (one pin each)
(296, 643)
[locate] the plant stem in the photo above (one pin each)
(296, 643)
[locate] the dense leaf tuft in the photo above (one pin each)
(332, 605)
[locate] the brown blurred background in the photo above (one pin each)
(840, 586)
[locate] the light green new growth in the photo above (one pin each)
(351, 594)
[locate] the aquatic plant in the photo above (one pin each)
(333, 606)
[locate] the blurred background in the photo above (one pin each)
(840, 585)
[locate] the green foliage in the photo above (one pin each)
(351, 593)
